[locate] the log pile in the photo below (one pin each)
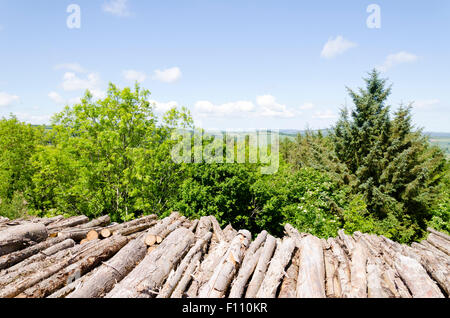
(175, 257)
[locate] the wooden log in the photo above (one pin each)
(11, 259)
(103, 251)
(439, 243)
(207, 267)
(157, 229)
(101, 221)
(149, 275)
(176, 224)
(105, 233)
(204, 225)
(293, 232)
(347, 242)
(276, 269)
(187, 277)
(34, 273)
(289, 285)
(112, 271)
(52, 250)
(92, 235)
(73, 286)
(433, 249)
(193, 226)
(229, 232)
(130, 224)
(442, 235)
(391, 277)
(217, 231)
(75, 234)
(248, 266)
(173, 279)
(358, 276)
(375, 288)
(22, 236)
(343, 267)
(311, 273)
(261, 267)
(332, 284)
(416, 278)
(438, 267)
(66, 223)
(224, 273)
(135, 229)
(48, 221)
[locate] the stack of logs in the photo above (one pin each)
(177, 258)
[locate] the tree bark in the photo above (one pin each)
(276, 269)
(248, 266)
(66, 223)
(113, 271)
(311, 274)
(102, 252)
(358, 276)
(22, 236)
(187, 277)
(207, 267)
(11, 259)
(289, 284)
(219, 282)
(416, 278)
(151, 272)
(439, 243)
(261, 267)
(173, 279)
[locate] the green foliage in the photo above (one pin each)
(14, 208)
(394, 167)
(108, 156)
(373, 173)
(18, 141)
(307, 199)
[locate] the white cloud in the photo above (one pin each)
(238, 108)
(71, 82)
(54, 96)
(74, 67)
(117, 7)
(134, 76)
(395, 59)
(8, 99)
(336, 47)
(169, 75)
(426, 103)
(270, 107)
(265, 106)
(327, 114)
(163, 107)
(33, 119)
(307, 106)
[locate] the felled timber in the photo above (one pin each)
(248, 266)
(225, 271)
(22, 236)
(146, 279)
(176, 257)
(112, 271)
(276, 270)
(173, 280)
(261, 268)
(311, 274)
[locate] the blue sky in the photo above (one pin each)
(235, 64)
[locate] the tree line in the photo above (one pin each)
(374, 172)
